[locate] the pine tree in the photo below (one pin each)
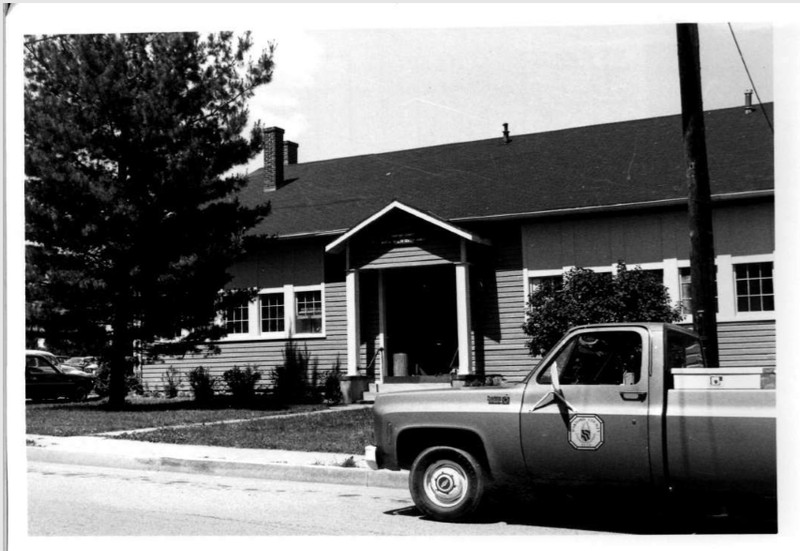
(131, 212)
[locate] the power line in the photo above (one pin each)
(751, 79)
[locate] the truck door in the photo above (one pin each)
(584, 413)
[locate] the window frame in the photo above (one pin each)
(727, 310)
(289, 293)
(644, 368)
(744, 261)
(295, 305)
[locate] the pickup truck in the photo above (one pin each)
(620, 405)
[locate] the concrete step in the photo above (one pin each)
(368, 398)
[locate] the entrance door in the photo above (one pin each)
(601, 435)
(421, 320)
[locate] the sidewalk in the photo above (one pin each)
(319, 467)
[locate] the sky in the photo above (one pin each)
(368, 78)
(357, 91)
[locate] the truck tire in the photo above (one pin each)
(447, 483)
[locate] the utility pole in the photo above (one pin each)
(701, 233)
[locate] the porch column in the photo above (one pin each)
(464, 319)
(353, 325)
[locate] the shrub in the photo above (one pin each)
(332, 392)
(172, 380)
(289, 379)
(202, 384)
(132, 382)
(242, 382)
(588, 297)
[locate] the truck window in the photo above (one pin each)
(598, 358)
(684, 351)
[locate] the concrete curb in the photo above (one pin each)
(299, 473)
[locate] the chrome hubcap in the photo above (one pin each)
(446, 483)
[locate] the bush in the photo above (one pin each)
(172, 380)
(332, 392)
(202, 384)
(242, 382)
(588, 297)
(132, 382)
(289, 379)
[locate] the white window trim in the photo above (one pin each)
(289, 310)
(751, 259)
(300, 289)
(726, 285)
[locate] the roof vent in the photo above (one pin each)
(748, 102)
(506, 138)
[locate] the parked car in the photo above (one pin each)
(45, 379)
(88, 364)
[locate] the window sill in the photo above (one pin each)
(740, 317)
(275, 337)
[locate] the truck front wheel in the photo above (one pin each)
(447, 483)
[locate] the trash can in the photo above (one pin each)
(400, 364)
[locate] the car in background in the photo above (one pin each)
(88, 364)
(45, 379)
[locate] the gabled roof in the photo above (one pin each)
(638, 162)
(397, 205)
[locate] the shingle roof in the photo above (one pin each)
(631, 162)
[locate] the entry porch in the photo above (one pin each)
(408, 304)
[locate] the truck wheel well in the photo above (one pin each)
(411, 442)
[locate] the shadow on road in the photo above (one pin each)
(617, 514)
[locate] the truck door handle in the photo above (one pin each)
(633, 396)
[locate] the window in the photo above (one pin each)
(754, 287)
(272, 313)
(308, 313)
(556, 282)
(684, 350)
(36, 365)
(685, 275)
(656, 275)
(598, 358)
(237, 319)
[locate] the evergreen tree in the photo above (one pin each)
(586, 297)
(131, 210)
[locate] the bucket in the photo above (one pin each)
(400, 363)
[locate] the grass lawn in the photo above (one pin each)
(335, 432)
(92, 417)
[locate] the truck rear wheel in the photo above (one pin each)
(447, 483)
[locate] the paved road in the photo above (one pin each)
(69, 500)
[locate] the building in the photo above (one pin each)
(403, 266)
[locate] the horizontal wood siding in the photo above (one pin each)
(400, 239)
(438, 253)
(601, 240)
(499, 342)
(747, 344)
(265, 355)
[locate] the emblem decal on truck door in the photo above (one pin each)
(586, 432)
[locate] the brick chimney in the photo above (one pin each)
(273, 158)
(290, 153)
